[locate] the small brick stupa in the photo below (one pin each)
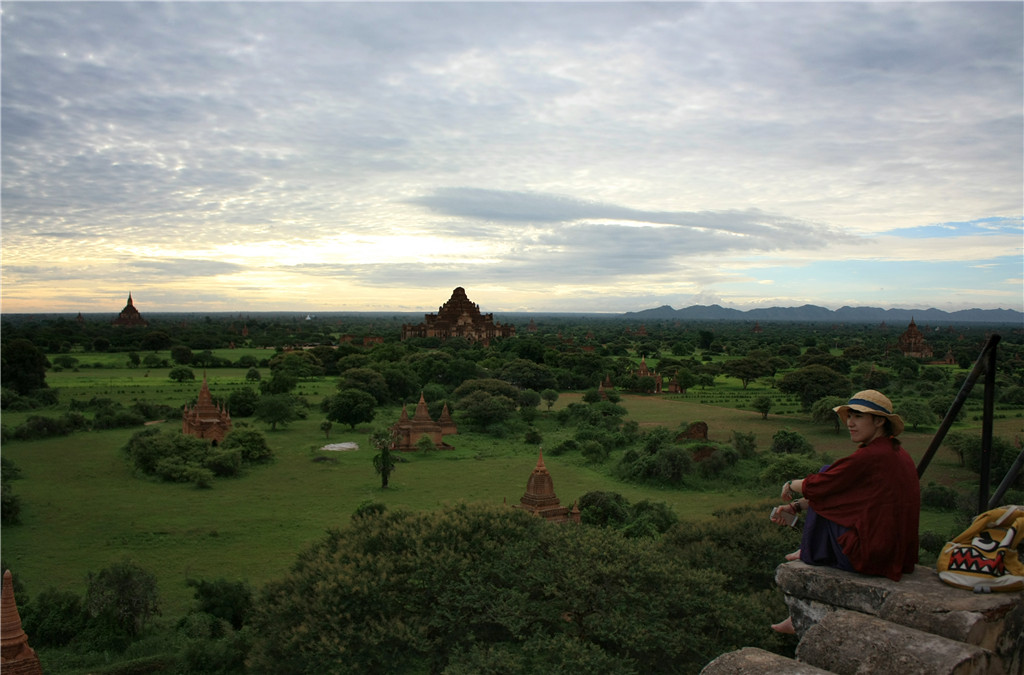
(130, 316)
(540, 498)
(206, 419)
(16, 657)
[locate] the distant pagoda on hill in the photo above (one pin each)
(130, 316)
(459, 318)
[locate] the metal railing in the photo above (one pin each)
(986, 364)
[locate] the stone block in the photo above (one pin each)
(994, 621)
(754, 661)
(852, 643)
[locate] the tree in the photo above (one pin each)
(351, 407)
(242, 402)
(384, 441)
(367, 380)
(124, 595)
(181, 355)
(823, 411)
(763, 405)
(276, 409)
(549, 396)
(155, 341)
(746, 369)
(326, 427)
(790, 443)
(181, 374)
(916, 413)
(482, 409)
(813, 383)
(491, 589)
(23, 366)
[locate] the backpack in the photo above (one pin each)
(984, 557)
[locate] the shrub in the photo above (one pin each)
(251, 443)
(939, 497)
(227, 600)
(781, 468)
(745, 444)
(123, 596)
(54, 618)
(593, 451)
(790, 442)
(565, 446)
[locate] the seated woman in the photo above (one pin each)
(862, 510)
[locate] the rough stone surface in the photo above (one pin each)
(754, 661)
(920, 600)
(852, 643)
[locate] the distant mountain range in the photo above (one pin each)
(814, 314)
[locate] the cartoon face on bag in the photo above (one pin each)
(982, 555)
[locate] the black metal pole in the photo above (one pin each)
(958, 403)
(987, 415)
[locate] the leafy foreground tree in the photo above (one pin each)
(481, 589)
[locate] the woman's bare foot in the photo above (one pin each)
(784, 626)
(795, 555)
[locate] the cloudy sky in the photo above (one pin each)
(545, 156)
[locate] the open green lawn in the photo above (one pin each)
(82, 508)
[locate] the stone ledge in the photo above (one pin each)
(754, 661)
(850, 643)
(920, 600)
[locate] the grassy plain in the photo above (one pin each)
(83, 508)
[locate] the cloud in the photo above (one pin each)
(643, 149)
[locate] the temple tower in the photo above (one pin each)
(540, 498)
(16, 657)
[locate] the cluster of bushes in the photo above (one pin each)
(600, 427)
(474, 589)
(12, 401)
(176, 457)
(105, 414)
(610, 509)
(115, 617)
(10, 503)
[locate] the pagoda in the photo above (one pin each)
(408, 431)
(912, 343)
(16, 657)
(540, 498)
(130, 316)
(459, 318)
(644, 371)
(206, 419)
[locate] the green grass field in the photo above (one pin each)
(82, 507)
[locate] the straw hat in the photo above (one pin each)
(874, 403)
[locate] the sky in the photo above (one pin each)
(547, 157)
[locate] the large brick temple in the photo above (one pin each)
(130, 316)
(459, 318)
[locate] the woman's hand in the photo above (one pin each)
(783, 514)
(790, 489)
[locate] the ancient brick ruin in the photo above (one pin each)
(130, 316)
(913, 344)
(540, 498)
(16, 656)
(459, 318)
(206, 419)
(408, 431)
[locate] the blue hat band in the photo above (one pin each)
(869, 404)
